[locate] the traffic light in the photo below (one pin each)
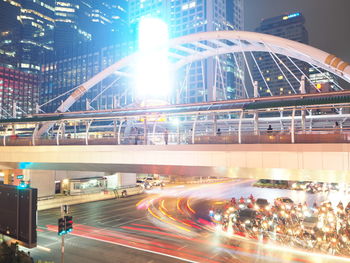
(61, 226)
(69, 223)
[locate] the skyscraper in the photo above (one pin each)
(26, 32)
(71, 23)
(203, 82)
(82, 21)
(279, 80)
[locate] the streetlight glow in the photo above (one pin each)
(152, 69)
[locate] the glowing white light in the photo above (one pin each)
(176, 122)
(152, 70)
(217, 217)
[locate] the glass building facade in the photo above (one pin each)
(279, 80)
(19, 90)
(76, 66)
(27, 27)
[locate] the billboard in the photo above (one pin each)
(18, 208)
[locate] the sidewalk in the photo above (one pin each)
(57, 201)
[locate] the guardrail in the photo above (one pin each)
(315, 136)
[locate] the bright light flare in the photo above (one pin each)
(152, 70)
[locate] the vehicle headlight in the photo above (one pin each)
(217, 217)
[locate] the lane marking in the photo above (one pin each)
(46, 249)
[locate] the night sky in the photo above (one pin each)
(327, 21)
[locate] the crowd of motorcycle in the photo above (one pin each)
(320, 228)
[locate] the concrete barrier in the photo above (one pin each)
(80, 199)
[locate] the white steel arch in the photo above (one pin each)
(195, 47)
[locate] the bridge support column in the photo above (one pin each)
(58, 133)
(310, 126)
(119, 131)
(75, 130)
(88, 124)
(240, 127)
(114, 129)
(5, 135)
(215, 125)
(281, 122)
(292, 128)
(256, 115)
(256, 123)
(34, 133)
(194, 128)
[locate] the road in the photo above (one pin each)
(169, 225)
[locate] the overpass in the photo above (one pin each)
(227, 138)
(307, 139)
(313, 162)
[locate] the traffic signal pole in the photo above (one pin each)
(63, 212)
(65, 226)
(62, 249)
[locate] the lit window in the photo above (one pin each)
(280, 77)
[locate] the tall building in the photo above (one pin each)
(70, 68)
(279, 80)
(83, 21)
(203, 82)
(26, 28)
(71, 23)
(19, 92)
(26, 34)
(109, 20)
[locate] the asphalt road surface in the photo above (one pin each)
(169, 225)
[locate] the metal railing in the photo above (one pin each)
(325, 135)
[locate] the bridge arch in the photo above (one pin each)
(190, 48)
